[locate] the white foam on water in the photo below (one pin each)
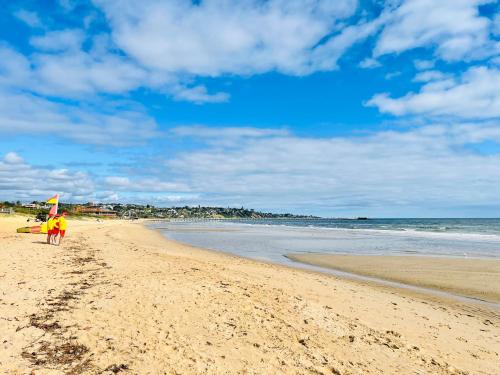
(276, 240)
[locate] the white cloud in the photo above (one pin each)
(198, 95)
(430, 75)
(431, 166)
(496, 25)
(12, 158)
(424, 64)
(455, 28)
(201, 131)
(24, 111)
(470, 133)
(326, 55)
(165, 45)
(68, 5)
(495, 60)
(15, 69)
(211, 38)
(144, 184)
(392, 75)
(20, 180)
(78, 73)
(108, 197)
(227, 136)
(118, 181)
(29, 18)
(61, 68)
(169, 199)
(29, 114)
(70, 72)
(369, 63)
(61, 40)
(160, 199)
(474, 95)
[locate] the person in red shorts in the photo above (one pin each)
(50, 229)
(60, 226)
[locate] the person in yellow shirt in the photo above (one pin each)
(50, 229)
(60, 227)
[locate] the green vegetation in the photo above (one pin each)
(147, 211)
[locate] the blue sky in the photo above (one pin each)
(333, 108)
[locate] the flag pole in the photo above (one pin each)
(55, 205)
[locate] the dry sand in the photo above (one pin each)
(117, 297)
(476, 278)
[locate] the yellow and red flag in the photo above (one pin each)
(54, 199)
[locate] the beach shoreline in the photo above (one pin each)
(118, 296)
(426, 292)
(474, 278)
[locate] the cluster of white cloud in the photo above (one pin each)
(19, 180)
(163, 45)
(22, 113)
(430, 170)
(197, 94)
(457, 32)
(29, 18)
(474, 95)
(216, 37)
(30, 88)
(144, 184)
(61, 68)
(374, 174)
(454, 28)
(226, 137)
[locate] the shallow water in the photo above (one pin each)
(270, 240)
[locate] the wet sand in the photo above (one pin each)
(475, 278)
(120, 298)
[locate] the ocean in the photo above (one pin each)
(272, 239)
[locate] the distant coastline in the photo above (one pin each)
(132, 210)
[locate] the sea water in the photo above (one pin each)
(272, 239)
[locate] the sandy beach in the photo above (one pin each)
(476, 278)
(120, 298)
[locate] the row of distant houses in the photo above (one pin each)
(95, 211)
(86, 210)
(36, 206)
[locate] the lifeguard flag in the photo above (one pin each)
(53, 210)
(54, 199)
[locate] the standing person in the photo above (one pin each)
(50, 229)
(61, 226)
